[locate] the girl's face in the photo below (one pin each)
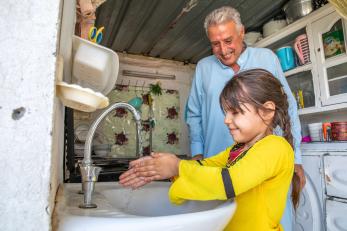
(247, 126)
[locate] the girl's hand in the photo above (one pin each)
(133, 181)
(130, 179)
(139, 160)
(158, 166)
(164, 166)
(198, 157)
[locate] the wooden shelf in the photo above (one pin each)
(295, 26)
(298, 69)
(322, 110)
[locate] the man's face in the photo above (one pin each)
(226, 42)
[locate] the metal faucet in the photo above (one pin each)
(90, 172)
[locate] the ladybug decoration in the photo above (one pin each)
(121, 138)
(172, 113)
(172, 138)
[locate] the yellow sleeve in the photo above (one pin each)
(218, 160)
(263, 161)
(196, 182)
(200, 180)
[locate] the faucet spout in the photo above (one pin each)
(90, 135)
(89, 172)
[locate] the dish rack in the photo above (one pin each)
(302, 49)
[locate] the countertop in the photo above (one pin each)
(340, 146)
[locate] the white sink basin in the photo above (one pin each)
(147, 208)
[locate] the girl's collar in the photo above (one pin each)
(236, 153)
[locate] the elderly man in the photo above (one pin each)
(208, 133)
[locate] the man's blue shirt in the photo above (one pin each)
(205, 118)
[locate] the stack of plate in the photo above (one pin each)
(273, 26)
(79, 150)
(252, 37)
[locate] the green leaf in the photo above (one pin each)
(155, 89)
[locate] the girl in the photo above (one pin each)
(256, 171)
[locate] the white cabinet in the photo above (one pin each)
(335, 174)
(335, 178)
(336, 217)
(321, 84)
(329, 36)
(309, 214)
(323, 202)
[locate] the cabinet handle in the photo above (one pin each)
(318, 50)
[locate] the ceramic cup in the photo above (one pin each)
(286, 57)
(316, 131)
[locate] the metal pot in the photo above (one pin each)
(296, 9)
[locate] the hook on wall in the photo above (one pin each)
(143, 85)
(136, 87)
(128, 84)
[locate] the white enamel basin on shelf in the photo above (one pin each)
(144, 209)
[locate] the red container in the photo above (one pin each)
(339, 131)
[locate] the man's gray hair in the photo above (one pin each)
(222, 15)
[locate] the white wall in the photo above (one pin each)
(31, 117)
(27, 74)
(182, 83)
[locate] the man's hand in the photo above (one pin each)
(198, 157)
(299, 170)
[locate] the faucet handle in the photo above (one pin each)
(89, 173)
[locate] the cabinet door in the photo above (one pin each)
(309, 214)
(336, 211)
(335, 175)
(303, 89)
(329, 35)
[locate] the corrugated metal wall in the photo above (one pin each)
(172, 29)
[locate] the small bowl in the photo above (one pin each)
(79, 98)
(306, 139)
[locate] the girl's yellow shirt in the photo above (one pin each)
(260, 181)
